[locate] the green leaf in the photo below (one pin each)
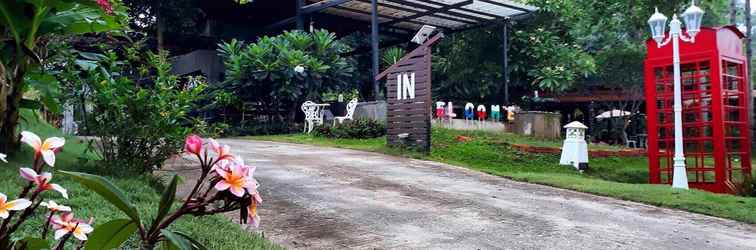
(31, 243)
(12, 17)
(111, 235)
(167, 245)
(79, 19)
(93, 56)
(196, 244)
(48, 88)
(86, 65)
(107, 190)
(169, 195)
(30, 104)
(177, 240)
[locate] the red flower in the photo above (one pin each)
(105, 5)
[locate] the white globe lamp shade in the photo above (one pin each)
(692, 17)
(299, 69)
(658, 24)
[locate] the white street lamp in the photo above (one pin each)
(657, 22)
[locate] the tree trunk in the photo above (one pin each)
(10, 104)
(8, 133)
(733, 11)
(4, 89)
(160, 27)
(292, 113)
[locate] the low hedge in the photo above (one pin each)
(357, 129)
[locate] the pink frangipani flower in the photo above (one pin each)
(42, 181)
(55, 207)
(193, 144)
(252, 216)
(221, 166)
(46, 149)
(14, 205)
(236, 180)
(223, 151)
(225, 165)
(66, 224)
(240, 161)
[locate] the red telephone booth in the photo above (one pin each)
(715, 118)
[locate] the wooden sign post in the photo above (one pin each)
(408, 84)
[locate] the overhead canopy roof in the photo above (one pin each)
(447, 14)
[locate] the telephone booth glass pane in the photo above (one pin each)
(697, 121)
(735, 120)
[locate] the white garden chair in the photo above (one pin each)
(313, 115)
(351, 106)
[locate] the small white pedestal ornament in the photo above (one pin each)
(575, 149)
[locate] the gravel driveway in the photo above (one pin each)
(318, 197)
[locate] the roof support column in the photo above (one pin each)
(505, 59)
(375, 46)
(300, 16)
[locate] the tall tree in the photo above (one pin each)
(557, 48)
(733, 11)
(160, 18)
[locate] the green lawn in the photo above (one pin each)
(615, 177)
(216, 232)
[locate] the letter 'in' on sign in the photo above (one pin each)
(405, 86)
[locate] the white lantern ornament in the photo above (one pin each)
(574, 149)
(693, 16)
(658, 23)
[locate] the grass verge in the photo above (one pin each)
(215, 232)
(491, 153)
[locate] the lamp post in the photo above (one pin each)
(657, 22)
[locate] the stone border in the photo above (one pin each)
(591, 153)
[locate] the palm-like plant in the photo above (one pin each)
(392, 55)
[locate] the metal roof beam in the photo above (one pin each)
(429, 12)
(307, 9)
(414, 11)
(506, 5)
(379, 15)
(315, 7)
(457, 14)
(507, 20)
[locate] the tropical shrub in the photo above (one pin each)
(16, 212)
(26, 27)
(357, 129)
(282, 72)
(225, 184)
(127, 102)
